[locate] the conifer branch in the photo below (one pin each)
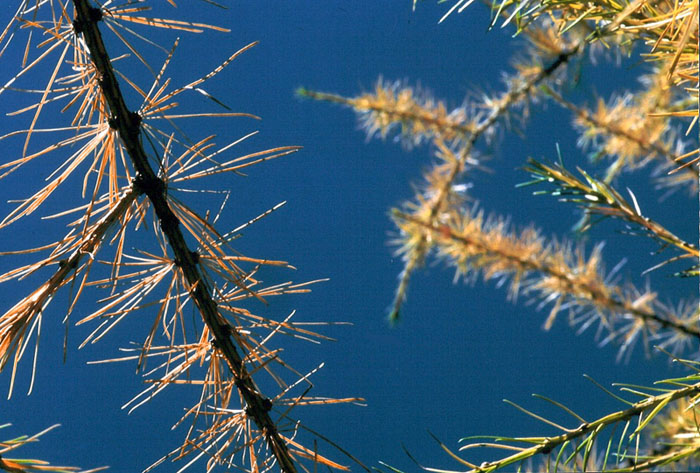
(15, 322)
(590, 431)
(22, 465)
(146, 181)
(471, 244)
(598, 197)
(390, 105)
(671, 28)
(444, 184)
(639, 145)
(429, 119)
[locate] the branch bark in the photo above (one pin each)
(128, 125)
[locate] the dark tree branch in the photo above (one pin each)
(127, 123)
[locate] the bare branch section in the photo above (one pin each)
(128, 124)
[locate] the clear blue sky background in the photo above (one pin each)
(459, 350)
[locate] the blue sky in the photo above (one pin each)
(459, 349)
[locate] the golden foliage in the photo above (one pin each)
(134, 163)
(646, 123)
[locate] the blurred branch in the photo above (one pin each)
(639, 141)
(472, 244)
(443, 186)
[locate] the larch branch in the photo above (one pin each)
(127, 123)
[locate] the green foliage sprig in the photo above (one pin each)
(21, 465)
(597, 197)
(575, 449)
